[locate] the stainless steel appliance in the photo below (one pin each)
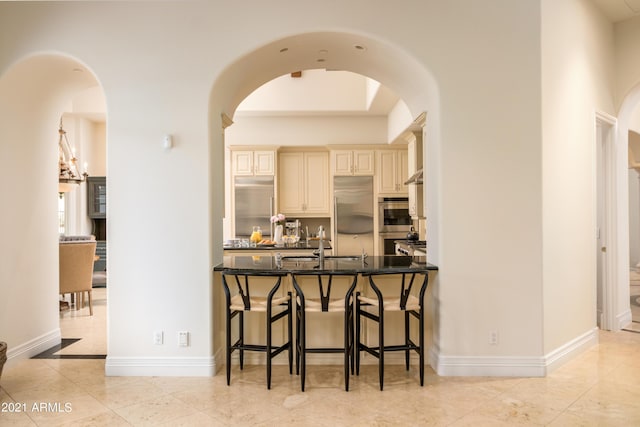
(393, 214)
(411, 247)
(394, 222)
(353, 215)
(292, 228)
(253, 201)
(387, 242)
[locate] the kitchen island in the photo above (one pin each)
(354, 264)
(327, 333)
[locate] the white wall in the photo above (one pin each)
(33, 94)
(627, 79)
(577, 70)
(483, 155)
(307, 130)
(634, 218)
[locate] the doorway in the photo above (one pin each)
(605, 250)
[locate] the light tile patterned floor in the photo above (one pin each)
(601, 387)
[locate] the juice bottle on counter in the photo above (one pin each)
(256, 235)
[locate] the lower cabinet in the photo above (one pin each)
(101, 252)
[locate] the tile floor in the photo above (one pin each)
(601, 387)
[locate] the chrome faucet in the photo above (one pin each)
(321, 244)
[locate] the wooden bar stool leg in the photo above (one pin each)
(347, 348)
(269, 324)
(241, 337)
(381, 344)
(406, 339)
(421, 345)
(356, 344)
(228, 352)
(290, 335)
(303, 347)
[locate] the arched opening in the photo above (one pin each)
(628, 286)
(34, 94)
(385, 63)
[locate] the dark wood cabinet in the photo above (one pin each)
(97, 197)
(97, 211)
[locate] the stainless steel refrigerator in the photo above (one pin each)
(253, 200)
(353, 215)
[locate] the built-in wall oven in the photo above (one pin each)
(393, 214)
(394, 222)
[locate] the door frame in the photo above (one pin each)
(605, 131)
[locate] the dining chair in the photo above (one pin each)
(76, 270)
(391, 291)
(316, 292)
(251, 291)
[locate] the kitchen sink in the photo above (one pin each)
(344, 257)
(301, 258)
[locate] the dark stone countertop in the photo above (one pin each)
(372, 264)
(301, 245)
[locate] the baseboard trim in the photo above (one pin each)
(33, 347)
(160, 366)
(516, 366)
(623, 319)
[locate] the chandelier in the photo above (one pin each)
(69, 175)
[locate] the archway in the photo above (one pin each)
(34, 92)
(386, 63)
(390, 65)
(622, 290)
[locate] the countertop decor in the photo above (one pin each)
(301, 245)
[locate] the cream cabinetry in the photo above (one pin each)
(393, 171)
(352, 162)
(303, 183)
(254, 162)
(415, 191)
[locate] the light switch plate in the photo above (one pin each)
(183, 339)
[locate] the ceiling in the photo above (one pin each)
(320, 92)
(619, 10)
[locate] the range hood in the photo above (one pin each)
(416, 178)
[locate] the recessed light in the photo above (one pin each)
(359, 47)
(284, 49)
(320, 60)
(78, 70)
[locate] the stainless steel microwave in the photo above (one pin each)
(393, 214)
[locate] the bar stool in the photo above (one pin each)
(244, 300)
(394, 300)
(320, 300)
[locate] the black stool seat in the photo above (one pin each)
(248, 297)
(323, 298)
(396, 297)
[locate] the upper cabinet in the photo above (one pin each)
(97, 197)
(352, 162)
(303, 183)
(254, 162)
(416, 195)
(393, 171)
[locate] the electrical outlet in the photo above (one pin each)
(493, 337)
(183, 339)
(158, 337)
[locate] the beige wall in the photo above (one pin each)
(577, 71)
(494, 148)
